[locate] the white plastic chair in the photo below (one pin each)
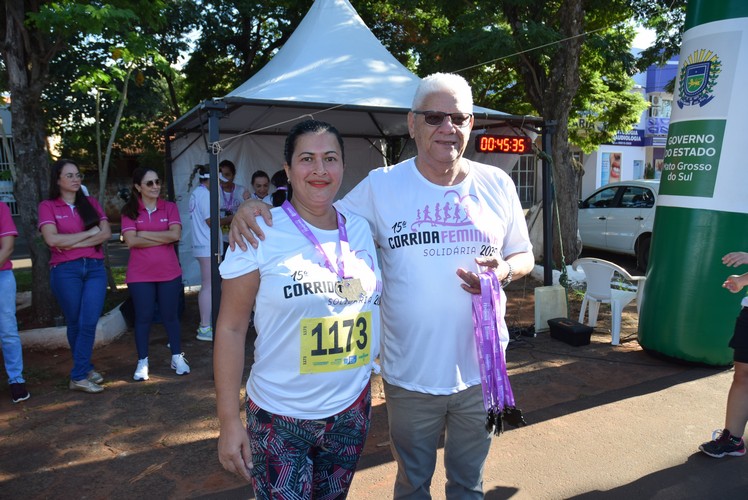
(598, 273)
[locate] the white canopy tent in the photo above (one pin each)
(333, 69)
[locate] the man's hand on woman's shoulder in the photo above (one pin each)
(244, 224)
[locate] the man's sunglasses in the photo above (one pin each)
(152, 182)
(436, 118)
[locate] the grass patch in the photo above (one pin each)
(36, 374)
(23, 279)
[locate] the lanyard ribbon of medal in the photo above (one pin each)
(228, 204)
(347, 287)
(498, 398)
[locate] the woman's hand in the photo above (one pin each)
(734, 283)
(233, 449)
(735, 259)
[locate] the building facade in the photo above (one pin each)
(638, 153)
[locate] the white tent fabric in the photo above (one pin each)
(332, 68)
(332, 38)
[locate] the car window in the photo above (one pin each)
(637, 197)
(602, 199)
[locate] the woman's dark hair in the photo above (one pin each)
(198, 171)
(279, 179)
(259, 173)
(130, 208)
(309, 127)
(87, 212)
(282, 188)
(229, 164)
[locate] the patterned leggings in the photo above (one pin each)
(305, 459)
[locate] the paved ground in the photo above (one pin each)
(605, 422)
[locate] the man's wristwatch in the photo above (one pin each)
(508, 278)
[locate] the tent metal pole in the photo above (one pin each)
(215, 109)
(547, 204)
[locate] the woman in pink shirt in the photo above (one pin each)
(9, 338)
(151, 228)
(74, 226)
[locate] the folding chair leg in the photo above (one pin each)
(594, 309)
(582, 310)
(615, 320)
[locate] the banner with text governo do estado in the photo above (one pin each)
(702, 208)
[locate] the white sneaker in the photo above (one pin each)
(141, 372)
(179, 364)
(205, 333)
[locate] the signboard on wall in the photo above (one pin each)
(630, 138)
(611, 168)
(658, 125)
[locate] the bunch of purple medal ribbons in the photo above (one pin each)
(498, 398)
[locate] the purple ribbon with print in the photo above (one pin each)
(304, 229)
(347, 287)
(498, 398)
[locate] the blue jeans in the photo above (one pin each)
(9, 337)
(80, 288)
(145, 295)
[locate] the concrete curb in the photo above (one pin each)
(110, 327)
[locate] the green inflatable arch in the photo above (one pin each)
(702, 208)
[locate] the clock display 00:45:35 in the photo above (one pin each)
(510, 144)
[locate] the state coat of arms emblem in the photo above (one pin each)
(698, 76)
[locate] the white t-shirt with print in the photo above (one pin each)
(199, 212)
(425, 232)
(267, 199)
(303, 327)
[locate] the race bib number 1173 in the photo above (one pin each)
(335, 343)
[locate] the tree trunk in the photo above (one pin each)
(562, 88)
(104, 169)
(551, 90)
(26, 73)
(172, 95)
(566, 247)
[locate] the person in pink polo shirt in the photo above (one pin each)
(11, 341)
(74, 226)
(151, 228)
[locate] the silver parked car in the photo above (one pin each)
(618, 218)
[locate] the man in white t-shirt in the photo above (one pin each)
(436, 218)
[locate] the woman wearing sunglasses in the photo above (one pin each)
(74, 226)
(151, 227)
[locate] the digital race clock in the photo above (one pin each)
(510, 144)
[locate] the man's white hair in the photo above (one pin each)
(442, 82)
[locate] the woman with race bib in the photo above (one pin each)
(316, 285)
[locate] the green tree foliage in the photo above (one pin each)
(237, 38)
(34, 34)
(67, 60)
(666, 18)
(559, 59)
(90, 78)
(605, 102)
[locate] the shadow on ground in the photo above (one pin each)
(157, 439)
